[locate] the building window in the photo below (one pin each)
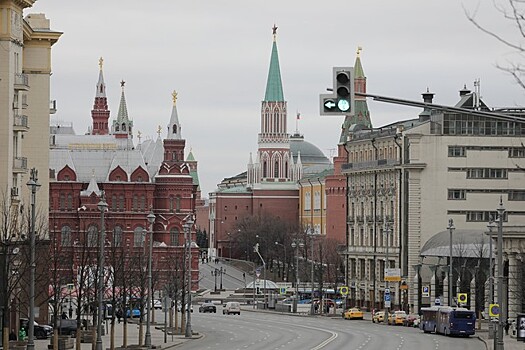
(62, 202)
(65, 238)
(135, 204)
(317, 200)
(265, 169)
(276, 170)
(177, 204)
(483, 216)
(142, 203)
(69, 203)
(174, 237)
(114, 203)
(456, 194)
(307, 201)
(486, 173)
(117, 236)
(121, 203)
(517, 195)
(92, 236)
(170, 201)
(352, 237)
(517, 152)
(138, 237)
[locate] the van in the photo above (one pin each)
(232, 307)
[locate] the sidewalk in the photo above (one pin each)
(509, 342)
(157, 338)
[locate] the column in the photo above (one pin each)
(414, 290)
(514, 292)
(433, 286)
(472, 295)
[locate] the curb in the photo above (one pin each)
(483, 341)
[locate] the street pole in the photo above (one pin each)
(147, 339)
(187, 228)
(490, 226)
(33, 185)
(312, 309)
(102, 206)
(451, 230)
(296, 246)
(387, 266)
(256, 249)
(501, 298)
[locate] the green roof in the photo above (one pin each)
(274, 87)
(190, 157)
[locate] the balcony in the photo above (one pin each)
(21, 82)
(20, 123)
(20, 165)
(52, 106)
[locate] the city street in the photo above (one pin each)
(261, 330)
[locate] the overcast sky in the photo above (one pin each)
(216, 55)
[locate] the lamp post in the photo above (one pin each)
(387, 267)
(284, 263)
(102, 206)
(451, 229)
(491, 225)
(147, 339)
(187, 229)
(296, 246)
(312, 309)
(499, 345)
(256, 249)
(33, 185)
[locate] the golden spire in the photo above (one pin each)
(274, 31)
(174, 97)
(159, 130)
(100, 62)
(359, 49)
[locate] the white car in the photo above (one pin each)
(179, 307)
(157, 304)
(232, 307)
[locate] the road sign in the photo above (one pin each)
(392, 274)
(462, 298)
(282, 290)
(387, 297)
(258, 272)
(437, 302)
(494, 310)
(387, 290)
(343, 290)
(425, 291)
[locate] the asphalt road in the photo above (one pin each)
(265, 331)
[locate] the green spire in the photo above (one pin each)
(274, 87)
(358, 68)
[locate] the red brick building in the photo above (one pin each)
(135, 180)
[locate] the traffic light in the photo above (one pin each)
(341, 101)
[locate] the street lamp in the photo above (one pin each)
(147, 339)
(284, 263)
(256, 249)
(491, 225)
(451, 229)
(187, 228)
(387, 268)
(499, 345)
(102, 206)
(33, 185)
(296, 246)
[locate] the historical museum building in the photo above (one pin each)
(134, 180)
(269, 185)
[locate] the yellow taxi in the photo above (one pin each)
(397, 318)
(353, 314)
(379, 316)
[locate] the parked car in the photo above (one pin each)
(397, 318)
(179, 307)
(41, 331)
(134, 313)
(232, 307)
(353, 314)
(207, 307)
(410, 320)
(378, 317)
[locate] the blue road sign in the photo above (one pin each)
(387, 297)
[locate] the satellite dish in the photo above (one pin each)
(16, 250)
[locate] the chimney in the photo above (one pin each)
(427, 98)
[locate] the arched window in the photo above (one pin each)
(142, 204)
(171, 206)
(114, 202)
(276, 169)
(123, 127)
(65, 238)
(177, 204)
(265, 169)
(69, 203)
(135, 204)
(117, 236)
(307, 201)
(92, 235)
(138, 237)
(62, 202)
(286, 169)
(174, 128)
(174, 236)
(121, 203)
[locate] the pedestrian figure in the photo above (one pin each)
(12, 335)
(63, 316)
(119, 314)
(507, 326)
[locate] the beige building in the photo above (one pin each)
(409, 179)
(25, 106)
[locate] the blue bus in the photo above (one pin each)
(448, 320)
